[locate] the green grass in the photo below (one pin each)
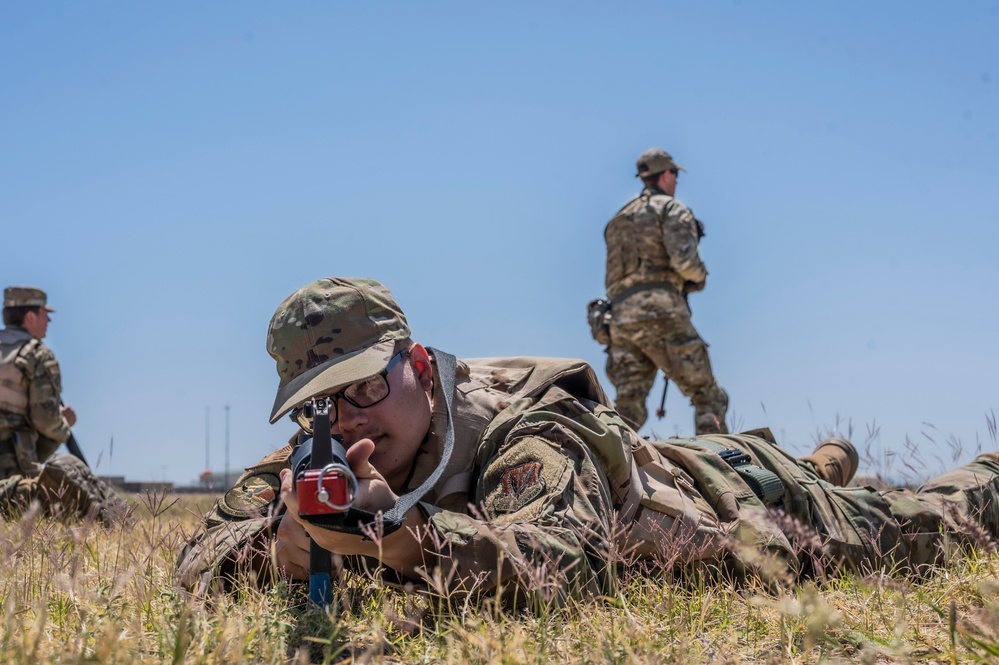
(83, 594)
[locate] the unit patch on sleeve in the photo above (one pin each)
(251, 497)
(519, 486)
(524, 480)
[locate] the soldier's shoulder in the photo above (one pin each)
(256, 491)
(630, 203)
(273, 463)
(37, 349)
(35, 354)
(658, 202)
(674, 205)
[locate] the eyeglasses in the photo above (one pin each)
(363, 394)
(675, 171)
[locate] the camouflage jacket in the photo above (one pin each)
(652, 239)
(546, 476)
(31, 388)
(485, 388)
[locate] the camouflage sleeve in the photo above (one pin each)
(680, 240)
(233, 546)
(543, 523)
(44, 390)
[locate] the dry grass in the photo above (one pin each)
(85, 594)
(81, 593)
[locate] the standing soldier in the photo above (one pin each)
(652, 266)
(33, 421)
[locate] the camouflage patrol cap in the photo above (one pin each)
(25, 296)
(655, 160)
(329, 334)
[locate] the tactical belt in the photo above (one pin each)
(635, 288)
(765, 484)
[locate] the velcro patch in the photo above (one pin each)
(251, 497)
(519, 486)
(524, 481)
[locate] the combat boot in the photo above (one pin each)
(835, 460)
(709, 411)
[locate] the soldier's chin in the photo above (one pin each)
(378, 460)
(390, 469)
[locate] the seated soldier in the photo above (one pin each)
(496, 466)
(33, 422)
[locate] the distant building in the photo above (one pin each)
(119, 483)
(218, 481)
(209, 482)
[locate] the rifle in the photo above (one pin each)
(320, 584)
(74, 447)
(326, 487)
(661, 411)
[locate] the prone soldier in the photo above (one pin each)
(481, 471)
(33, 422)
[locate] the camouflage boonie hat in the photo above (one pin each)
(25, 296)
(329, 334)
(655, 161)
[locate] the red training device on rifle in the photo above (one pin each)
(324, 491)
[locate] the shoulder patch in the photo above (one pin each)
(519, 486)
(525, 480)
(251, 497)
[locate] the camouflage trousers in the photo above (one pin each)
(650, 331)
(828, 526)
(65, 488)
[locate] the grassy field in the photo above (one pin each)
(84, 594)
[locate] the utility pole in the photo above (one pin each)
(207, 465)
(227, 445)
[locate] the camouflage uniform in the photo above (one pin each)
(32, 428)
(652, 265)
(556, 479)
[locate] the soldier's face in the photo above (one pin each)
(37, 323)
(667, 182)
(396, 425)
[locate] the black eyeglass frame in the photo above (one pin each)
(302, 415)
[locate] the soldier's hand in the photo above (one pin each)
(27, 487)
(373, 494)
(333, 541)
(69, 414)
(373, 491)
(401, 550)
(291, 547)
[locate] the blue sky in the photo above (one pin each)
(171, 171)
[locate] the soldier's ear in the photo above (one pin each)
(421, 363)
(30, 320)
